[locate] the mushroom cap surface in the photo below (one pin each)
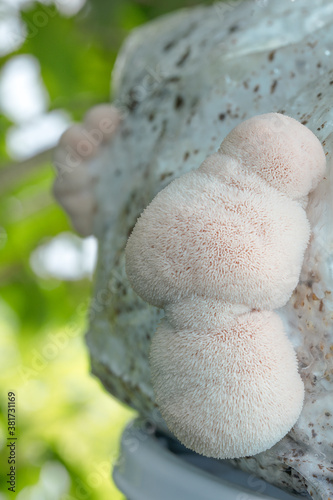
(281, 150)
(227, 393)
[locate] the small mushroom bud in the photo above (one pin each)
(218, 249)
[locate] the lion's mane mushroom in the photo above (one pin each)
(217, 249)
(73, 187)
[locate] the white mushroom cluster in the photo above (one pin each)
(218, 249)
(77, 173)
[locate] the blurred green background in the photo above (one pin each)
(56, 62)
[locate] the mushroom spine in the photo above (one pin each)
(219, 248)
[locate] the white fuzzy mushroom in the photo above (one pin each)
(230, 391)
(74, 185)
(215, 249)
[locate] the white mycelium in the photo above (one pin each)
(217, 249)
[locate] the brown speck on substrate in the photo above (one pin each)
(271, 55)
(273, 86)
(169, 45)
(221, 116)
(256, 88)
(179, 102)
(233, 28)
(186, 155)
(288, 471)
(172, 79)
